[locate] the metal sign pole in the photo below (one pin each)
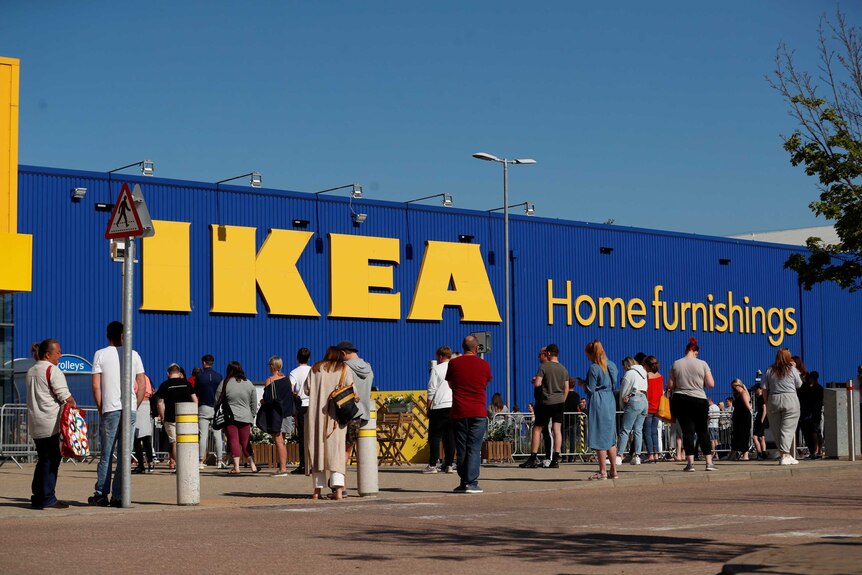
(124, 464)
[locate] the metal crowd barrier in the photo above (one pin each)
(517, 428)
(17, 444)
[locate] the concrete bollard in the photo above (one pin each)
(188, 472)
(366, 457)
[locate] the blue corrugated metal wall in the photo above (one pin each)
(77, 289)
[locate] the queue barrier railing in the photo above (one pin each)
(517, 428)
(17, 444)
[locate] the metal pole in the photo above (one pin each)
(851, 422)
(124, 462)
(508, 263)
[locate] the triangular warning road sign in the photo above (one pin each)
(125, 221)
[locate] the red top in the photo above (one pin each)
(468, 376)
(655, 387)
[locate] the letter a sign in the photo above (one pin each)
(125, 222)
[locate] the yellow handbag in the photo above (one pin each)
(663, 412)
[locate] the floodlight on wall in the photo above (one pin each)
(79, 193)
(465, 238)
(147, 167)
(447, 199)
(355, 190)
(606, 250)
(724, 261)
(255, 179)
(104, 207)
(300, 223)
(529, 208)
(447, 203)
(355, 194)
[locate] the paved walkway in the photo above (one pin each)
(157, 493)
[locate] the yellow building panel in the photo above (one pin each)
(16, 273)
(9, 73)
(233, 269)
(166, 268)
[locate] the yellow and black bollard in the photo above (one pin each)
(188, 471)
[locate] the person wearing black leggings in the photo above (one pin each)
(688, 378)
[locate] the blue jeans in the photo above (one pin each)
(650, 431)
(109, 427)
(633, 422)
(45, 474)
(469, 433)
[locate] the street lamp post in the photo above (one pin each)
(508, 305)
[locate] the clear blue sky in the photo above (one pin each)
(656, 114)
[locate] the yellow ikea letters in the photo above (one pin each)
(362, 279)
(458, 265)
(357, 264)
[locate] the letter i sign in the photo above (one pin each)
(125, 221)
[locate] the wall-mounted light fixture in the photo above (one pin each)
(606, 250)
(465, 238)
(300, 223)
(355, 190)
(724, 261)
(355, 194)
(255, 180)
(147, 167)
(447, 199)
(78, 193)
(104, 207)
(447, 203)
(529, 208)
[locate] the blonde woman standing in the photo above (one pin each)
(602, 413)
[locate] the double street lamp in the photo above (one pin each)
(506, 322)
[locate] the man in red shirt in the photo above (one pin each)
(468, 376)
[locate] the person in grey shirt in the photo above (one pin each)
(240, 394)
(363, 377)
(782, 404)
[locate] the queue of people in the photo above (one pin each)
(789, 397)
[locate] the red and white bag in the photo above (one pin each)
(73, 433)
(73, 428)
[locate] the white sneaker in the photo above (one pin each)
(636, 460)
(430, 469)
(787, 461)
(793, 461)
(202, 466)
(619, 460)
(449, 469)
(221, 465)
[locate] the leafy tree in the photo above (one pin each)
(828, 143)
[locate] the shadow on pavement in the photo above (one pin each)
(263, 495)
(586, 549)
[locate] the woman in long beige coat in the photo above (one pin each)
(325, 438)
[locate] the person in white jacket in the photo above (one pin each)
(47, 393)
(633, 388)
(439, 424)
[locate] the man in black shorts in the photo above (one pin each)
(553, 379)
